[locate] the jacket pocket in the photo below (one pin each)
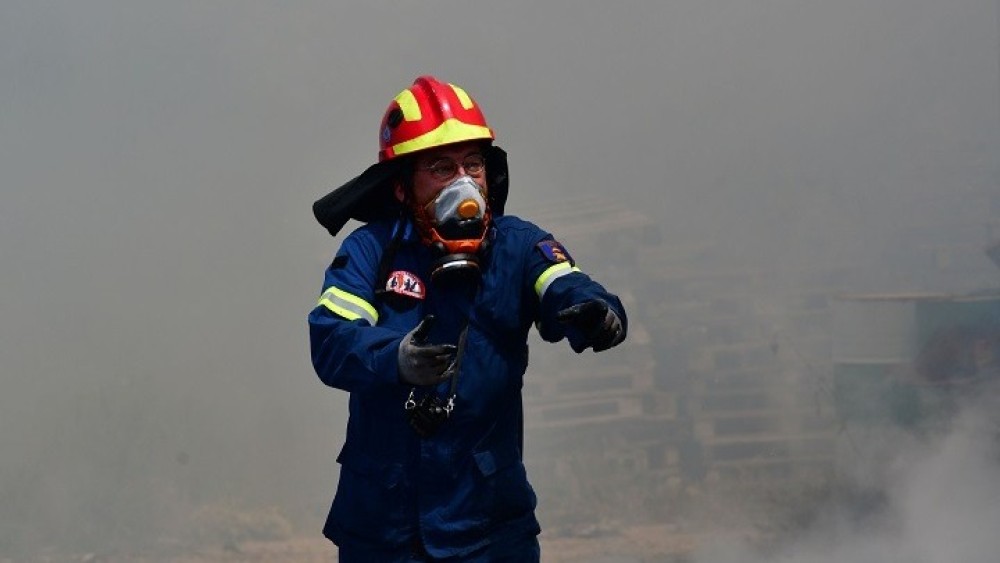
(373, 498)
(505, 484)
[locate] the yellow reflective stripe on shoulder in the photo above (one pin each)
(551, 274)
(351, 307)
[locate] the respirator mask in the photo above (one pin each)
(455, 223)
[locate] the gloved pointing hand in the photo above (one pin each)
(599, 324)
(423, 364)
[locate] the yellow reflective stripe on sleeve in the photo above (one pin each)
(551, 274)
(351, 307)
(451, 131)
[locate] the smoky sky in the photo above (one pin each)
(158, 162)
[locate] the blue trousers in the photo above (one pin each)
(524, 550)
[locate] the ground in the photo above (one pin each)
(649, 543)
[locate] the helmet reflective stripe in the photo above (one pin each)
(463, 97)
(351, 307)
(551, 274)
(451, 131)
(408, 105)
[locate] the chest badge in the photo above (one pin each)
(404, 283)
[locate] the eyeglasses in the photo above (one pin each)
(445, 168)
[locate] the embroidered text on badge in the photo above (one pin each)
(405, 283)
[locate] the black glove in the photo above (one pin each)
(423, 364)
(599, 324)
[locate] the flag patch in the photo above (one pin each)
(554, 252)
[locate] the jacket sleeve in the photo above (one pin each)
(349, 350)
(558, 282)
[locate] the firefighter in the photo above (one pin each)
(423, 319)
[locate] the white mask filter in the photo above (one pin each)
(459, 201)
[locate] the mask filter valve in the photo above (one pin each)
(459, 219)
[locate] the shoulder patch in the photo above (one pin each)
(554, 252)
(404, 283)
(339, 262)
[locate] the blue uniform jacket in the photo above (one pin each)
(465, 486)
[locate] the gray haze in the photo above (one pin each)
(158, 161)
(942, 503)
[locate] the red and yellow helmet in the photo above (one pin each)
(429, 114)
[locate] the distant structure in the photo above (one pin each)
(906, 359)
(719, 376)
(738, 371)
(735, 371)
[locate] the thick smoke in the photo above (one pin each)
(158, 257)
(901, 497)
